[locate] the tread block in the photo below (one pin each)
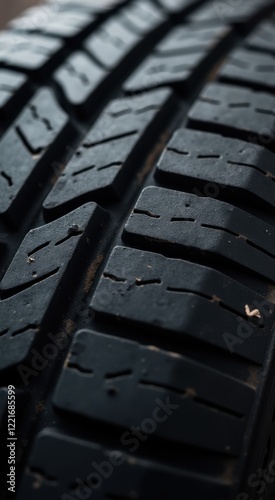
(142, 16)
(96, 6)
(53, 22)
(40, 122)
(175, 6)
(187, 224)
(27, 52)
(217, 166)
(124, 379)
(113, 149)
(262, 38)
(13, 89)
(83, 79)
(111, 42)
(250, 68)
(225, 12)
(37, 278)
(80, 79)
(53, 466)
(191, 38)
(30, 144)
(149, 289)
(234, 111)
(178, 58)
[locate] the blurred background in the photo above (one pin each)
(11, 8)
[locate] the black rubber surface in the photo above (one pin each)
(137, 250)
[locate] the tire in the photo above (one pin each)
(137, 168)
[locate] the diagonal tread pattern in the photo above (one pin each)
(29, 298)
(180, 58)
(108, 156)
(27, 52)
(55, 22)
(32, 145)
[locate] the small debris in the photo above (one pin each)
(73, 229)
(68, 327)
(67, 360)
(39, 407)
(254, 313)
(215, 298)
(30, 259)
(190, 392)
(153, 348)
(174, 354)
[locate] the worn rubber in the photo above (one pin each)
(137, 230)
